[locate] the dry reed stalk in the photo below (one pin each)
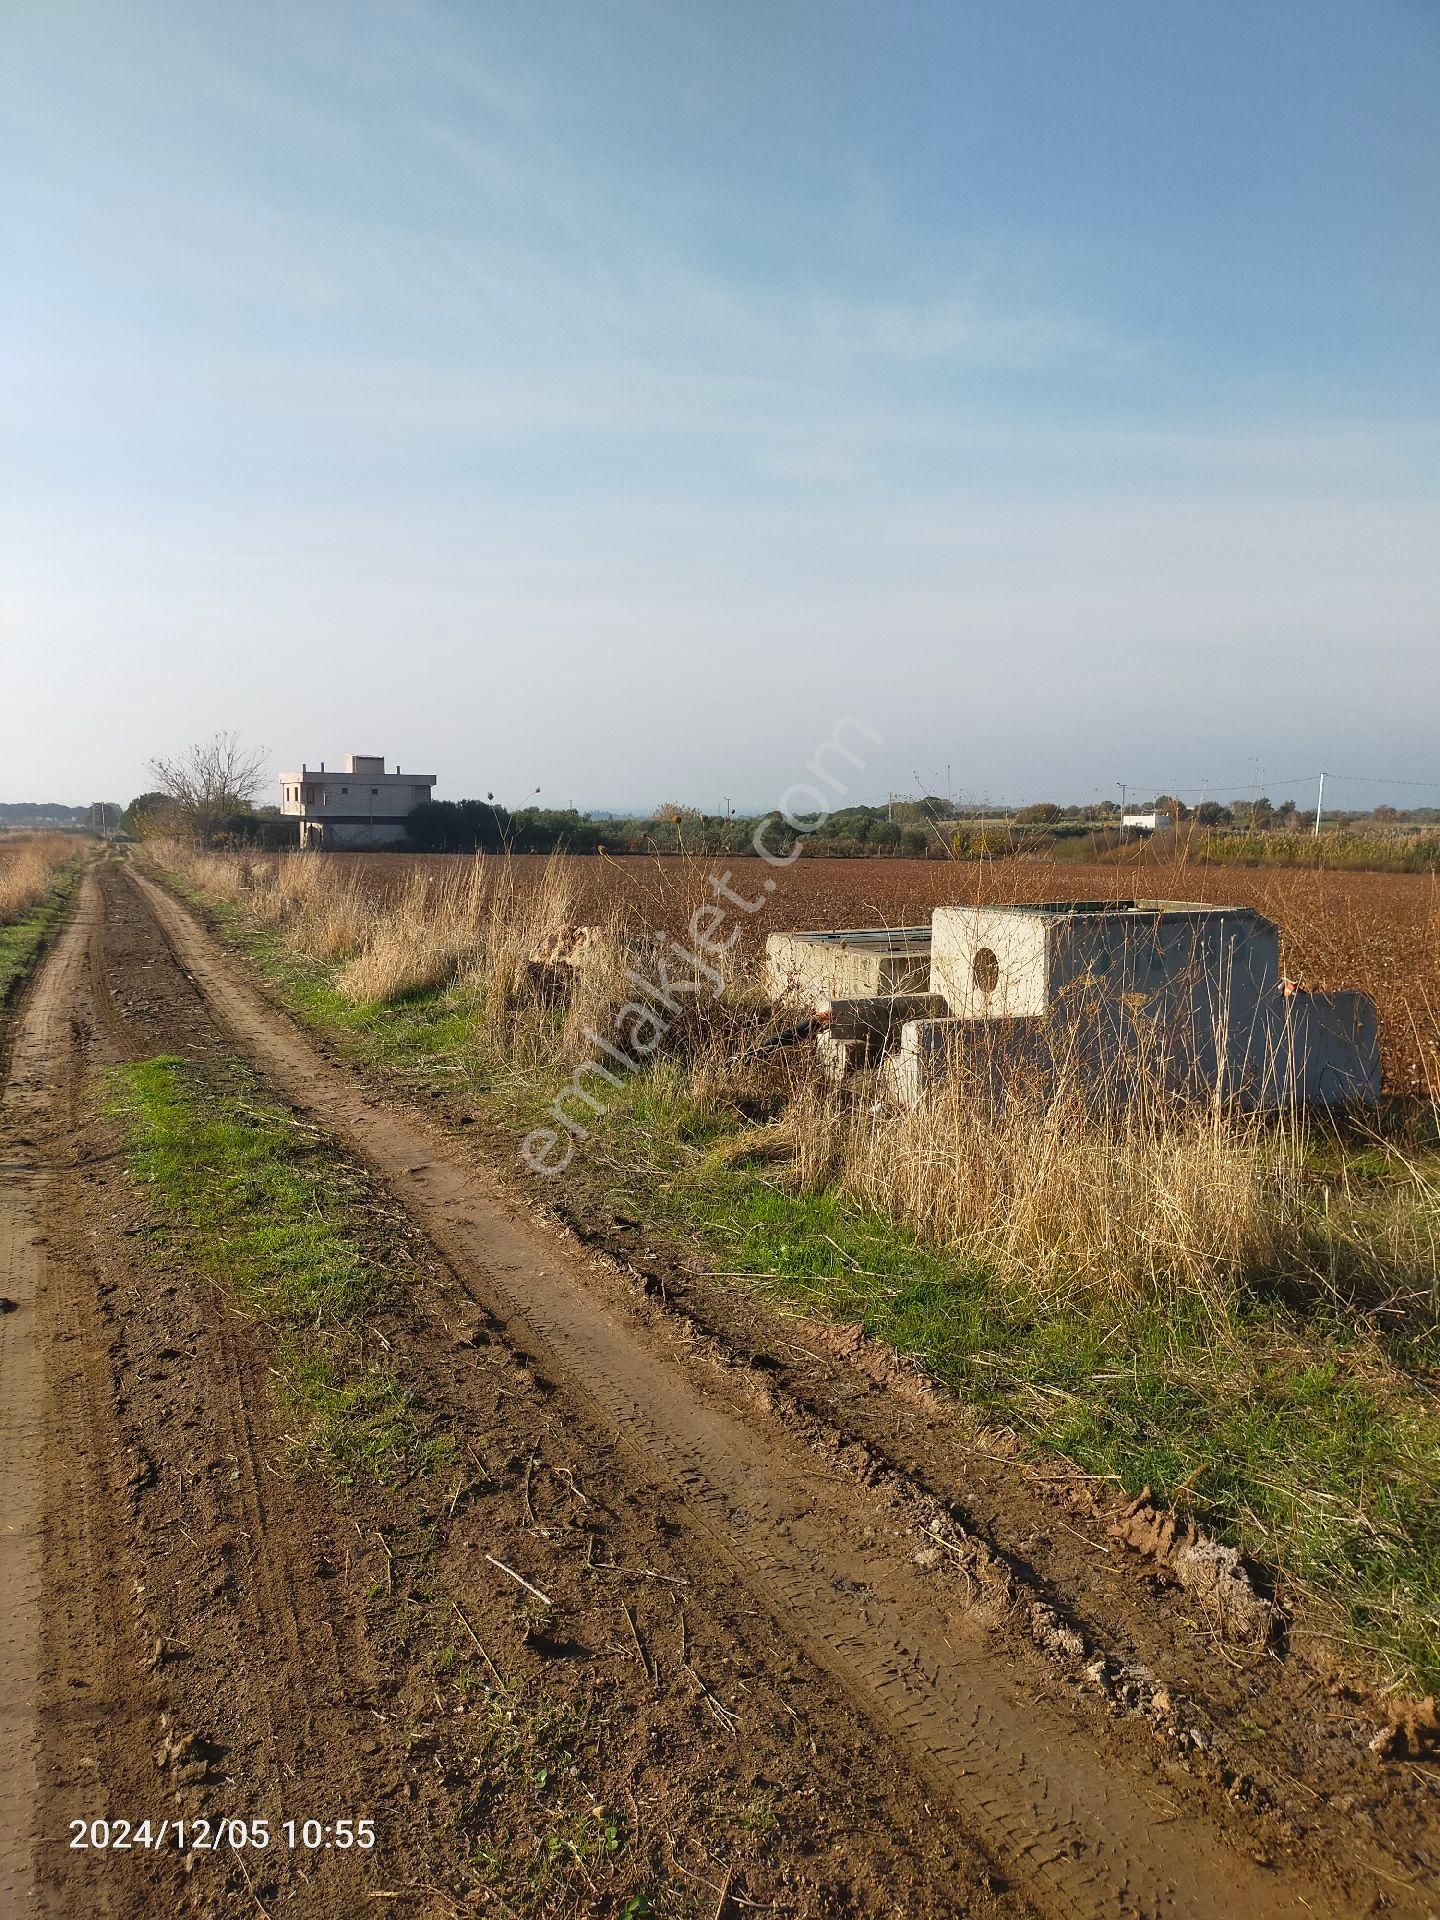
(28, 867)
(1055, 1190)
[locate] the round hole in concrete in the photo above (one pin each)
(985, 970)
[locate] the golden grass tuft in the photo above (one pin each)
(1065, 1193)
(28, 866)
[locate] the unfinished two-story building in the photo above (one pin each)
(359, 805)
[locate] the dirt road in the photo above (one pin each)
(196, 1623)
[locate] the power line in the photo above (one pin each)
(1283, 780)
(1217, 786)
(1381, 780)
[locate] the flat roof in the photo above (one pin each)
(1149, 908)
(889, 937)
(349, 773)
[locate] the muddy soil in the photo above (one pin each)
(702, 1609)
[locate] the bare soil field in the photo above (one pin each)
(671, 1606)
(1376, 931)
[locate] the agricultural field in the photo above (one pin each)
(1056, 1237)
(1376, 931)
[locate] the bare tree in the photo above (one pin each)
(209, 782)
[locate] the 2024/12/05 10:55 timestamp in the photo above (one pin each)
(210, 1836)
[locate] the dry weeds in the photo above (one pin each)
(1159, 1287)
(1041, 1182)
(28, 867)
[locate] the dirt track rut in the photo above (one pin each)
(22, 1431)
(1078, 1835)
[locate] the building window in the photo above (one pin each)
(344, 789)
(374, 791)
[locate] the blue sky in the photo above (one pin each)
(606, 397)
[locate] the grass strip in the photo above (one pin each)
(260, 1204)
(24, 940)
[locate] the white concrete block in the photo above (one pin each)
(804, 968)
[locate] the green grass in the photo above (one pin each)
(257, 1202)
(23, 941)
(1295, 1427)
(1311, 1440)
(1340, 849)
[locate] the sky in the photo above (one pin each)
(606, 397)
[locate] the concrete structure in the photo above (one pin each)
(804, 968)
(999, 1055)
(1179, 987)
(1114, 996)
(360, 805)
(854, 1033)
(1327, 1051)
(1183, 959)
(1146, 822)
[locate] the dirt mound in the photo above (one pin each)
(1211, 1573)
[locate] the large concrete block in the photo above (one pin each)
(1003, 962)
(804, 968)
(837, 1058)
(1325, 1052)
(993, 1057)
(1306, 1050)
(1176, 991)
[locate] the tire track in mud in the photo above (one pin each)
(265, 1599)
(88, 1579)
(299, 1667)
(1081, 1837)
(23, 1279)
(67, 1604)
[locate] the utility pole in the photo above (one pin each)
(1124, 789)
(1319, 805)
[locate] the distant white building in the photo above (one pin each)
(1146, 822)
(359, 806)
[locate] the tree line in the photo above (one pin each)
(207, 793)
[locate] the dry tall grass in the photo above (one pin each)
(1063, 1193)
(28, 867)
(1042, 1182)
(472, 928)
(1049, 1184)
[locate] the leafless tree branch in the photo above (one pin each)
(209, 782)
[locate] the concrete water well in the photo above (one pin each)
(1176, 993)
